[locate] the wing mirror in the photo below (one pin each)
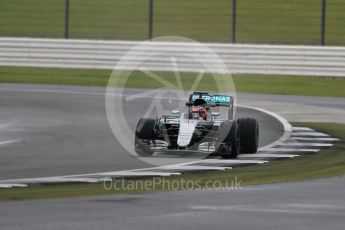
(215, 114)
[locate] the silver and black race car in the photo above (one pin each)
(206, 126)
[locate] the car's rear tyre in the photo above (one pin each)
(249, 135)
(229, 139)
(144, 135)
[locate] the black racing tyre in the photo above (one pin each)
(229, 136)
(249, 135)
(145, 128)
(144, 135)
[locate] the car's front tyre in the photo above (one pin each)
(144, 135)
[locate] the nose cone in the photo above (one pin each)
(187, 128)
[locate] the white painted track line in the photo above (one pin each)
(12, 185)
(309, 134)
(292, 150)
(308, 144)
(130, 173)
(331, 139)
(46, 180)
(192, 167)
(268, 155)
(79, 178)
(235, 161)
(301, 129)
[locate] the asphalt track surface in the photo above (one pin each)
(317, 204)
(299, 108)
(62, 130)
(49, 130)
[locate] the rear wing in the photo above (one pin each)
(215, 100)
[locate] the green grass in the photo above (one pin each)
(291, 85)
(286, 85)
(258, 21)
(326, 163)
(87, 77)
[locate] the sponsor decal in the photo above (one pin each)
(223, 99)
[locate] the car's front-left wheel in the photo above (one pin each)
(144, 135)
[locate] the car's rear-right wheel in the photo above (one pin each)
(249, 135)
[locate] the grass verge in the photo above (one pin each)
(326, 163)
(259, 21)
(285, 85)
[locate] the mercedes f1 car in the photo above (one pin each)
(206, 126)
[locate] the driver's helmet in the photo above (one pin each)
(199, 109)
(200, 102)
(199, 112)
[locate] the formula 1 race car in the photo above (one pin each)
(199, 129)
